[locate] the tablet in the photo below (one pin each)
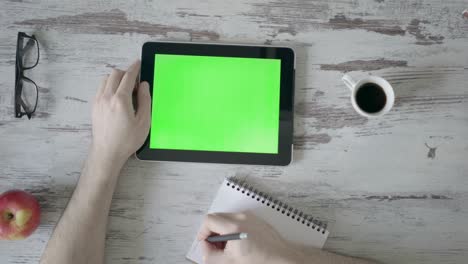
(219, 103)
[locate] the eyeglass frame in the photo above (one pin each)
(20, 77)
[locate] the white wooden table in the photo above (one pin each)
(393, 189)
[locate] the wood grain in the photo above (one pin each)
(393, 189)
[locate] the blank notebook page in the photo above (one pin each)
(296, 228)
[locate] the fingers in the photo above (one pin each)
(113, 82)
(220, 223)
(127, 84)
(213, 224)
(101, 88)
(144, 104)
(211, 254)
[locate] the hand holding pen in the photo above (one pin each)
(242, 238)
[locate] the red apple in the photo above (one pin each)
(19, 215)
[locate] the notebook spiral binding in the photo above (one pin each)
(279, 206)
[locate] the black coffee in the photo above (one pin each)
(371, 98)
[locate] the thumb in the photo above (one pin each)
(144, 103)
(211, 254)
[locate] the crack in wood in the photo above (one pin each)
(309, 141)
(288, 17)
(184, 14)
(329, 117)
(416, 29)
(145, 258)
(67, 128)
(299, 16)
(430, 100)
(114, 21)
(75, 99)
(53, 198)
(143, 232)
(407, 197)
(364, 65)
(381, 26)
(298, 195)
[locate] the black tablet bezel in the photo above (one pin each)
(284, 155)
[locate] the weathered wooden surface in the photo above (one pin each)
(394, 189)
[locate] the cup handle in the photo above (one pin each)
(348, 81)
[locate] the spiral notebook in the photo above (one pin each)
(292, 224)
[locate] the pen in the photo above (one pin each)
(223, 238)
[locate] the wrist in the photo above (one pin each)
(106, 156)
(290, 255)
(304, 255)
(294, 257)
(102, 168)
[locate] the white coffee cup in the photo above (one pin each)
(377, 81)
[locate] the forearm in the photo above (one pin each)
(80, 234)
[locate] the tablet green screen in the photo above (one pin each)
(212, 103)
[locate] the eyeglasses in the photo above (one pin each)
(26, 91)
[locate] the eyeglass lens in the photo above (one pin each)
(29, 51)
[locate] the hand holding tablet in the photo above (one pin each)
(219, 103)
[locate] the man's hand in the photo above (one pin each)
(263, 245)
(119, 130)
